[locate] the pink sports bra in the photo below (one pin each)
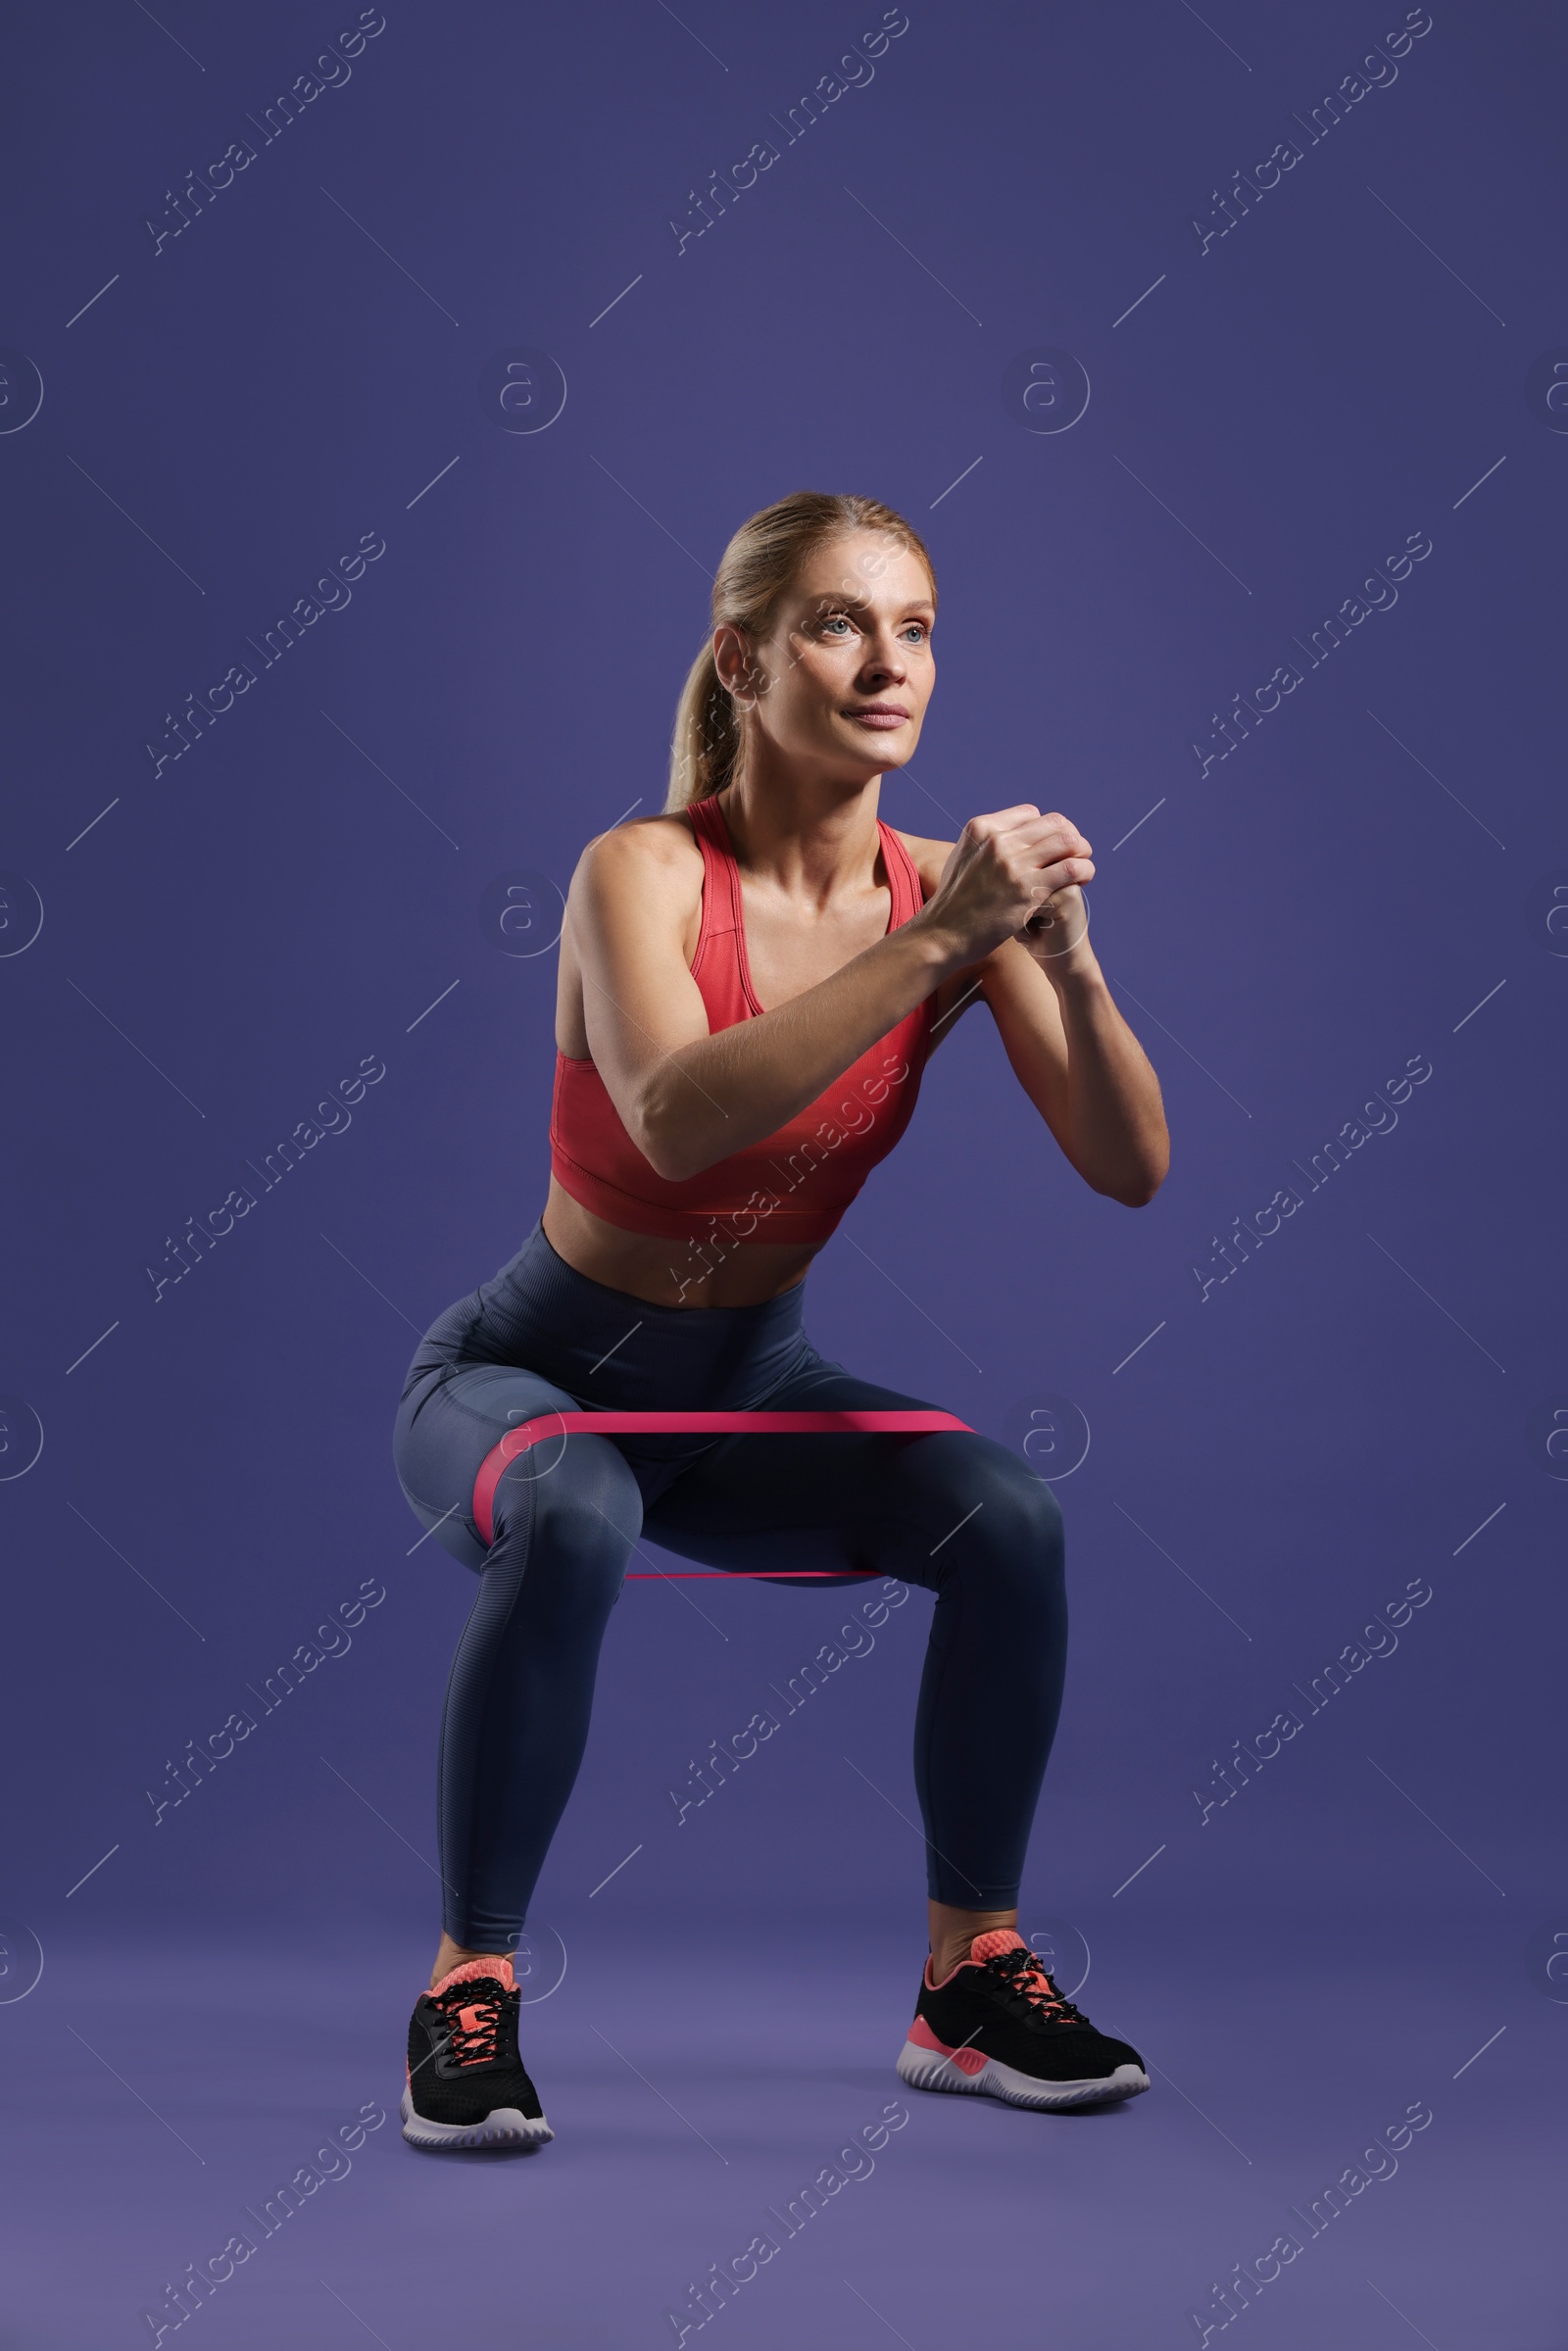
(794, 1185)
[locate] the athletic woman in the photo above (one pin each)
(750, 984)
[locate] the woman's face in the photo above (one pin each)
(841, 683)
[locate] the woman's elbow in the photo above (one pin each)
(662, 1151)
(1137, 1195)
(1132, 1188)
(667, 1143)
(670, 1165)
(1140, 1190)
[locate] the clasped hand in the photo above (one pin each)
(1016, 874)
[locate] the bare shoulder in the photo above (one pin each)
(928, 857)
(643, 853)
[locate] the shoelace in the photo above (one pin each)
(483, 1999)
(1025, 1976)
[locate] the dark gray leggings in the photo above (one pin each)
(955, 1514)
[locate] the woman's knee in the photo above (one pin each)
(576, 1524)
(1033, 1506)
(1013, 1542)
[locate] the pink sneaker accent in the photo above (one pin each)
(967, 2060)
(987, 1947)
(468, 1970)
(982, 1948)
(474, 2024)
(1004, 1939)
(999, 1939)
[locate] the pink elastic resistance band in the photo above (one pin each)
(614, 1424)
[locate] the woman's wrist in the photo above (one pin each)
(1077, 973)
(938, 946)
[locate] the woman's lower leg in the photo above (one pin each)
(520, 1693)
(953, 1931)
(451, 1955)
(990, 1696)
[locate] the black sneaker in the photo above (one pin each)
(998, 2026)
(465, 2084)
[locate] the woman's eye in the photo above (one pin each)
(836, 621)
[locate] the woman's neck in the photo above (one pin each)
(811, 839)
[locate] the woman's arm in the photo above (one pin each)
(1079, 1063)
(688, 1098)
(1070, 1049)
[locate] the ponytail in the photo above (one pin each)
(705, 748)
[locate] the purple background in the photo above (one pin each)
(1278, 1461)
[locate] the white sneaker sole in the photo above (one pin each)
(505, 2127)
(925, 2069)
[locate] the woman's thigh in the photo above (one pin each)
(449, 1420)
(847, 1503)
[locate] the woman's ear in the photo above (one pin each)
(731, 657)
(739, 670)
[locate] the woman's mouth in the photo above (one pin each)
(878, 714)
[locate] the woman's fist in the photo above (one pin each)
(1014, 874)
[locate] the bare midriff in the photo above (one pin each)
(670, 1273)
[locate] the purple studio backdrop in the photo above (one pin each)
(379, 390)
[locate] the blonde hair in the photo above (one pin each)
(757, 566)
